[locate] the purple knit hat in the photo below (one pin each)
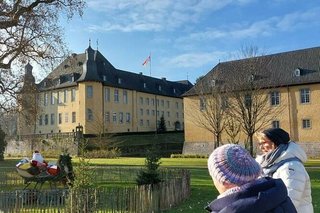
(231, 163)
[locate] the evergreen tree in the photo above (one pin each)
(162, 125)
(151, 174)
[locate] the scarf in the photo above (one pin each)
(267, 164)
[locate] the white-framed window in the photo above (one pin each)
(89, 114)
(89, 91)
(60, 118)
(305, 95)
(59, 97)
(121, 117)
(73, 94)
(114, 117)
(147, 111)
(141, 122)
(306, 123)
(276, 124)
(141, 100)
(52, 98)
(275, 98)
(107, 116)
(52, 120)
(202, 105)
(46, 119)
(128, 117)
(106, 94)
(74, 118)
(177, 105)
(116, 96)
(152, 101)
(40, 120)
(125, 96)
(248, 100)
(148, 101)
(141, 112)
(65, 96)
(66, 117)
(45, 99)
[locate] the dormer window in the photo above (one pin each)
(174, 90)
(297, 72)
(104, 78)
(144, 85)
(159, 87)
(119, 80)
(44, 84)
(252, 77)
(213, 83)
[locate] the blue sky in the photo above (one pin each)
(187, 38)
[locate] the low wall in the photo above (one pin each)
(205, 148)
(48, 145)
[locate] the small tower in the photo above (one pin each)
(28, 108)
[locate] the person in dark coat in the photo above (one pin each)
(235, 175)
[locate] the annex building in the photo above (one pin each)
(87, 89)
(289, 80)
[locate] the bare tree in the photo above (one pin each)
(249, 83)
(212, 107)
(232, 129)
(30, 31)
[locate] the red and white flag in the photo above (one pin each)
(148, 59)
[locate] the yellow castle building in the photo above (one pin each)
(87, 89)
(290, 81)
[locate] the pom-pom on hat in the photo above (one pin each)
(277, 135)
(231, 163)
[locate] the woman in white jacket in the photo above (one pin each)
(282, 158)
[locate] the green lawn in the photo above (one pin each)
(201, 184)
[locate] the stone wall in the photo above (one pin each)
(205, 148)
(48, 146)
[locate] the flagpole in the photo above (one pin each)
(150, 64)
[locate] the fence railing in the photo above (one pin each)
(121, 198)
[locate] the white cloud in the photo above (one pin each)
(155, 15)
(192, 60)
(267, 27)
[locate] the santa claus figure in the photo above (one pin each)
(37, 160)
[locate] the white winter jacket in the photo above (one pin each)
(295, 177)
